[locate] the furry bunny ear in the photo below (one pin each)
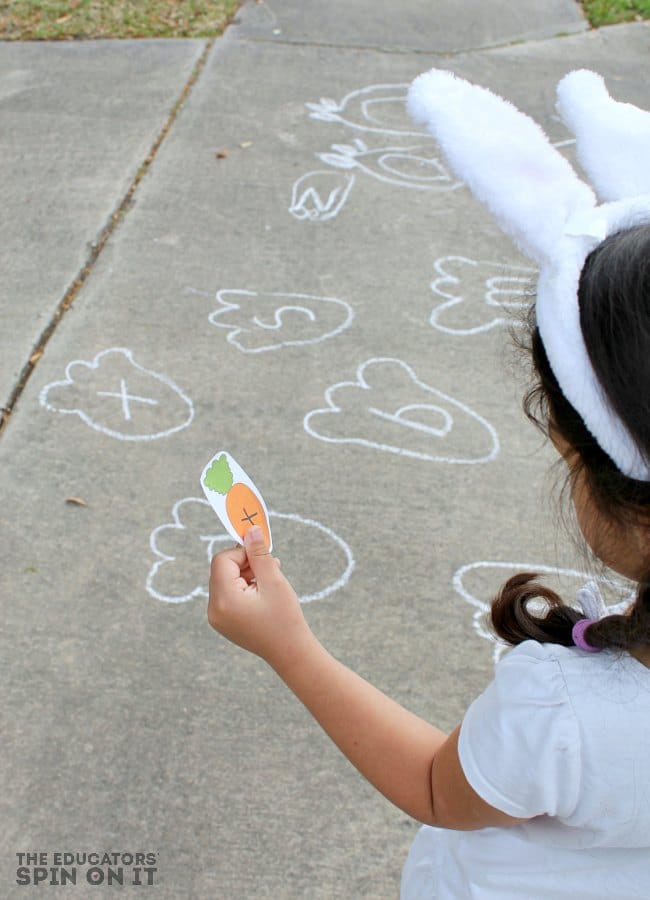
(612, 138)
(505, 159)
(509, 164)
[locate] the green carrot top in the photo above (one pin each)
(219, 476)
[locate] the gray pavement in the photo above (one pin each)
(295, 278)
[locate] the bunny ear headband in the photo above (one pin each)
(537, 198)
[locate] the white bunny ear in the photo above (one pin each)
(505, 159)
(612, 138)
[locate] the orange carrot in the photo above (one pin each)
(244, 510)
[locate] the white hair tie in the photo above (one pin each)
(591, 601)
(553, 216)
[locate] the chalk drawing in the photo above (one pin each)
(388, 408)
(378, 108)
(477, 294)
(184, 547)
(116, 396)
(258, 322)
(320, 195)
(403, 166)
(487, 577)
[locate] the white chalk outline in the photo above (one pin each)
(328, 110)
(333, 409)
(224, 538)
(319, 211)
(350, 156)
(482, 608)
(453, 300)
(96, 426)
(235, 330)
(345, 547)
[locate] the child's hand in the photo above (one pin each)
(253, 605)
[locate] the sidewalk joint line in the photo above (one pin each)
(563, 32)
(100, 242)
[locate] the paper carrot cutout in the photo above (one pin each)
(234, 497)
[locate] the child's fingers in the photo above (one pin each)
(236, 553)
(226, 567)
(232, 568)
(228, 585)
(247, 571)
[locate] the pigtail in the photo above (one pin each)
(624, 632)
(514, 622)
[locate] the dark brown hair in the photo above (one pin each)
(614, 299)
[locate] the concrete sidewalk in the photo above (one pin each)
(280, 266)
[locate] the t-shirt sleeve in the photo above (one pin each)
(519, 743)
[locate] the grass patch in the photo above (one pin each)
(67, 20)
(609, 12)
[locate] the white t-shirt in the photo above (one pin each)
(561, 737)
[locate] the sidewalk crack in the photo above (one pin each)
(98, 244)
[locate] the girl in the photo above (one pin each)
(543, 790)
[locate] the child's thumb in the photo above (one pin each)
(259, 556)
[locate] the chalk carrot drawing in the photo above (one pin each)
(320, 195)
(234, 497)
(371, 411)
(183, 546)
(411, 167)
(118, 397)
(258, 322)
(379, 108)
(478, 295)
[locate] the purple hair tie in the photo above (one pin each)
(578, 635)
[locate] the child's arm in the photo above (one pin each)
(411, 762)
